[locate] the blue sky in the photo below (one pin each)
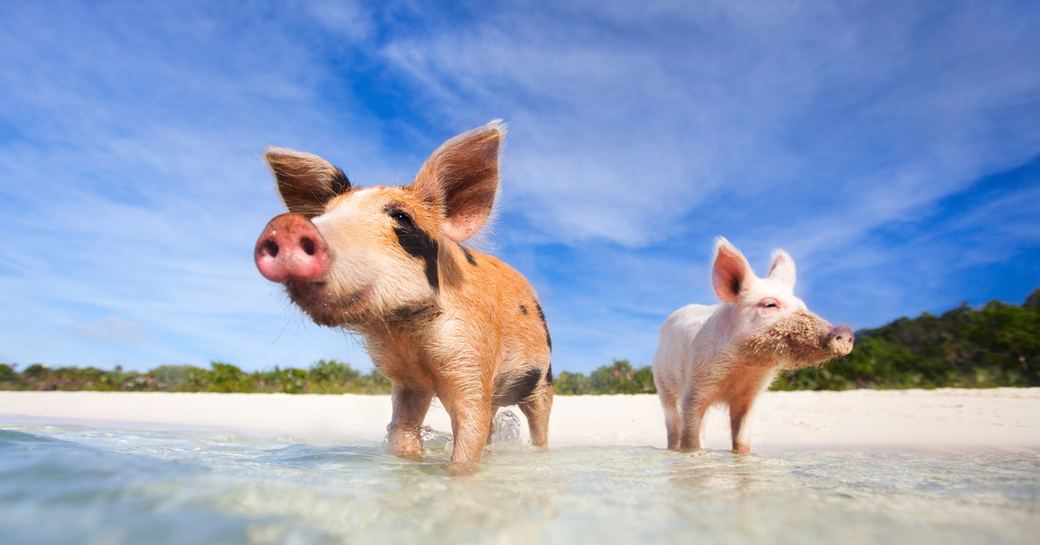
(893, 150)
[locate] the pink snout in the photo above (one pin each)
(841, 339)
(291, 248)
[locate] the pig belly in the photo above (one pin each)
(525, 361)
(742, 383)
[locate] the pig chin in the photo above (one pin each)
(797, 341)
(325, 306)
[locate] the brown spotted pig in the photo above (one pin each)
(730, 352)
(439, 319)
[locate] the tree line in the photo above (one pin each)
(997, 344)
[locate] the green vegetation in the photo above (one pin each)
(617, 378)
(996, 345)
(324, 377)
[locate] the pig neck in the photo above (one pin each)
(400, 337)
(404, 328)
(397, 344)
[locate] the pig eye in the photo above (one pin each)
(400, 217)
(769, 303)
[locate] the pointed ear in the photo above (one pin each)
(730, 272)
(782, 268)
(305, 181)
(462, 178)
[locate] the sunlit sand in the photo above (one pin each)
(1002, 418)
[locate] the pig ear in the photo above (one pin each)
(462, 177)
(730, 272)
(305, 181)
(782, 268)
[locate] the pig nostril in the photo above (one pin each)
(308, 246)
(271, 247)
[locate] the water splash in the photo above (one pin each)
(432, 440)
(435, 440)
(505, 428)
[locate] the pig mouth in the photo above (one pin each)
(326, 307)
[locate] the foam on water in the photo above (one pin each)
(66, 484)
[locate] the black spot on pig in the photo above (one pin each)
(523, 310)
(514, 387)
(340, 182)
(417, 243)
(548, 339)
(548, 375)
(469, 255)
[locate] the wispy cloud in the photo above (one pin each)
(140, 193)
(111, 328)
(857, 137)
(627, 118)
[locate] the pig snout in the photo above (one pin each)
(840, 339)
(291, 248)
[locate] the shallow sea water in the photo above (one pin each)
(76, 484)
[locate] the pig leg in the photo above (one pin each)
(741, 399)
(536, 408)
(470, 425)
(672, 422)
(405, 433)
(694, 406)
(470, 429)
(738, 425)
(494, 413)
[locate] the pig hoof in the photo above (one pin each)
(411, 455)
(742, 449)
(461, 469)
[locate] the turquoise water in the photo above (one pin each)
(76, 484)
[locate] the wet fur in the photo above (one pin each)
(439, 319)
(730, 352)
(470, 355)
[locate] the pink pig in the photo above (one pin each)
(730, 352)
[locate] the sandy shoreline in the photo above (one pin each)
(1002, 418)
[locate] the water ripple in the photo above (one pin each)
(145, 486)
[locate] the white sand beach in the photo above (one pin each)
(1002, 418)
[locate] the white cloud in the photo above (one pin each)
(349, 19)
(111, 328)
(136, 189)
(130, 141)
(628, 117)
